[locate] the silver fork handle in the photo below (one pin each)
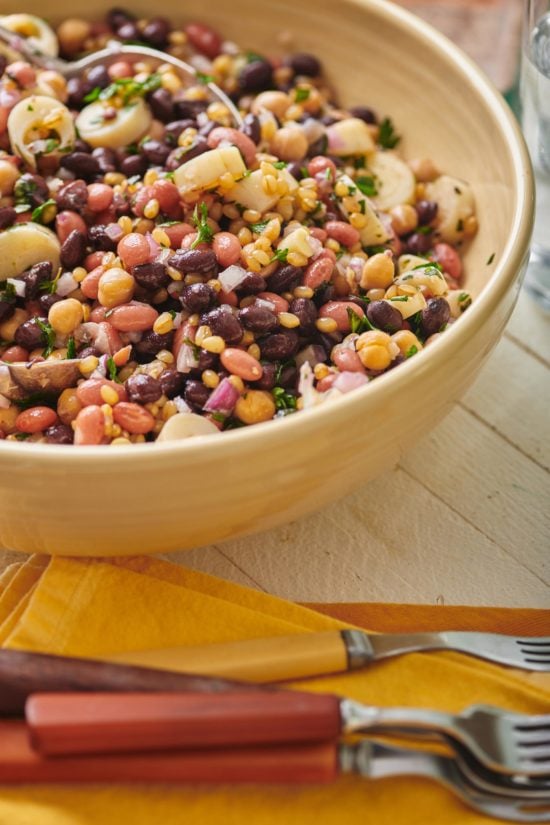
(357, 717)
(32, 53)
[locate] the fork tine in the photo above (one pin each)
(534, 640)
(525, 722)
(536, 736)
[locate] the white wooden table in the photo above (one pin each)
(463, 519)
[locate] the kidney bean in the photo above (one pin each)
(7, 216)
(241, 363)
(223, 323)
(346, 359)
(382, 315)
(29, 335)
(66, 222)
(204, 39)
(89, 391)
(449, 259)
(202, 261)
(342, 232)
(280, 346)
(172, 383)
(106, 159)
(197, 297)
(227, 248)
(177, 233)
(251, 128)
(256, 76)
(285, 279)
(306, 311)
(258, 319)
(225, 134)
(318, 272)
(14, 354)
(35, 419)
(90, 284)
(304, 64)
(155, 152)
(151, 275)
(156, 32)
(59, 434)
(73, 249)
(98, 314)
(133, 418)
(338, 310)
(196, 394)
(73, 196)
(166, 193)
(418, 243)
(161, 104)
(252, 284)
(435, 315)
(82, 164)
(319, 164)
(100, 196)
(280, 304)
(133, 317)
(133, 249)
(89, 426)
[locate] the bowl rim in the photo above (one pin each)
(507, 271)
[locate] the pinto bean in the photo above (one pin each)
(35, 419)
(89, 426)
(133, 317)
(137, 420)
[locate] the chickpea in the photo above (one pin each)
(65, 316)
(374, 349)
(53, 83)
(116, 286)
(255, 406)
(289, 143)
(72, 33)
(8, 175)
(404, 218)
(8, 327)
(405, 340)
(7, 419)
(424, 169)
(68, 405)
(276, 102)
(378, 271)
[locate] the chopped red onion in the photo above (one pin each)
(66, 284)
(347, 381)
(186, 360)
(114, 232)
(223, 398)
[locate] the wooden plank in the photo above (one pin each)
(213, 560)
(494, 486)
(512, 395)
(529, 327)
(394, 541)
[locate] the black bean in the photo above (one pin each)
(285, 279)
(48, 300)
(383, 316)
(85, 351)
(162, 105)
(327, 341)
(288, 377)
(73, 196)
(256, 76)
(189, 108)
(117, 17)
(7, 216)
(156, 32)
(202, 261)
(418, 243)
(251, 128)
(435, 316)
(106, 159)
(252, 284)
(73, 249)
(81, 146)
(222, 322)
(38, 274)
(269, 376)
(175, 128)
(306, 64)
(323, 294)
(100, 240)
(197, 297)
(81, 164)
(295, 169)
(143, 389)
(77, 89)
(258, 319)
(133, 165)
(207, 360)
(151, 343)
(155, 152)
(7, 304)
(129, 31)
(318, 147)
(31, 189)
(306, 311)
(426, 211)
(59, 434)
(29, 335)
(196, 394)
(172, 383)
(151, 275)
(280, 346)
(364, 113)
(184, 153)
(99, 77)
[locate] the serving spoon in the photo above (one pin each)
(113, 52)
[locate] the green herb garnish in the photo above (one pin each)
(200, 219)
(127, 88)
(400, 298)
(490, 259)
(280, 255)
(24, 190)
(48, 334)
(205, 78)
(367, 186)
(387, 136)
(258, 227)
(39, 214)
(464, 300)
(284, 400)
(301, 94)
(112, 370)
(218, 416)
(411, 351)
(357, 323)
(71, 348)
(50, 287)
(36, 399)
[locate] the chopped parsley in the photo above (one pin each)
(366, 185)
(200, 219)
(258, 227)
(218, 416)
(280, 255)
(400, 298)
(387, 136)
(284, 401)
(40, 214)
(24, 190)
(301, 94)
(127, 88)
(254, 57)
(50, 287)
(374, 250)
(112, 370)
(357, 322)
(423, 230)
(7, 293)
(464, 301)
(280, 164)
(48, 334)
(411, 351)
(205, 78)
(71, 348)
(490, 259)
(282, 366)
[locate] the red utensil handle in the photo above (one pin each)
(296, 764)
(67, 723)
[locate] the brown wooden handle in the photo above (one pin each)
(23, 673)
(300, 763)
(65, 723)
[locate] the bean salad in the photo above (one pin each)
(191, 274)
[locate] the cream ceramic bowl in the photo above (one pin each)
(155, 498)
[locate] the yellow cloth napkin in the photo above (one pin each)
(86, 607)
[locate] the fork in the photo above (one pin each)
(281, 658)
(64, 723)
(111, 54)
